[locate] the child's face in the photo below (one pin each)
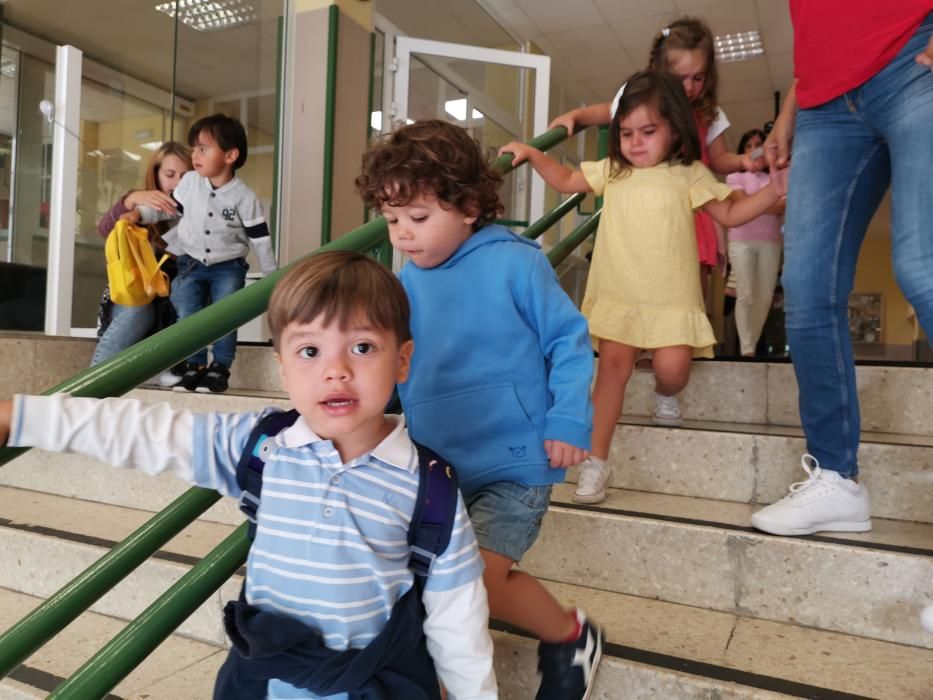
(690, 66)
(753, 142)
(170, 171)
(645, 138)
(341, 380)
(209, 159)
(427, 230)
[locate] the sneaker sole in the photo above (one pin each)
(205, 390)
(181, 389)
(594, 668)
(832, 526)
(668, 422)
(590, 500)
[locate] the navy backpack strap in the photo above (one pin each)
(253, 461)
(435, 510)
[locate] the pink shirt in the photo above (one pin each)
(766, 227)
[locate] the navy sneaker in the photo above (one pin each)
(191, 378)
(568, 669)
(215, 379)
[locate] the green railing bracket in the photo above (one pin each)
(330, 108)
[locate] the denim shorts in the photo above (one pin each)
(507, 516)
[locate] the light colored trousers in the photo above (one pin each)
(756, 265)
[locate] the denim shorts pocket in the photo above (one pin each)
(242, 264)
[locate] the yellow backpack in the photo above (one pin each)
(134, 275)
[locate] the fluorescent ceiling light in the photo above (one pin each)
(457, 109)
(130, 155)
(151, 145)
(211, 15)
(738, 47)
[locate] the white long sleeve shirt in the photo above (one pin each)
(331, 542)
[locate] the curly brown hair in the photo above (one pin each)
(431, 157)
(689, 34)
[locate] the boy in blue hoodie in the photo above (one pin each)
(502, 375)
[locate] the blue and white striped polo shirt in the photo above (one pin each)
(331, 541)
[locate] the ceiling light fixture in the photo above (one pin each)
(211, 15)
(738, 47)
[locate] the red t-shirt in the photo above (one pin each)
(839, 44)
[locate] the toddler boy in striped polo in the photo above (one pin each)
(340, 485)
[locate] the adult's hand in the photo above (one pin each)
(154, 199)
(925, 58)
(778, 143)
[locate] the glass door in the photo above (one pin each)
(497, 95)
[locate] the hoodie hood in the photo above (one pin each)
(486, 235)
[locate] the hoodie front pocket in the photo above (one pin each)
(480, 427)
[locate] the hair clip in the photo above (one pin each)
(666, 32)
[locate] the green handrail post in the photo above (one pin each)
(330, 107)
(135, 642)
(557, 254)
(602, 150)
(76, 596)
(539, 227)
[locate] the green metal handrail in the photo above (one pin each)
(79, 594)
(126, 370)
(558, 253)
(540, 227)
(136, 641)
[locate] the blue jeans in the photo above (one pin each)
(845, 154)
(198, 285)
(128, 325)
(506, 516)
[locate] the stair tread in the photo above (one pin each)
(156, 678)
(777, 650)
(99, 524)
(702, 511)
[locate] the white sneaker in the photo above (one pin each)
(667, 411)
(926, 619)
(825, 501)
(594, 479)
(168, 378)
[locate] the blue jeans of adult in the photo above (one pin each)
(128, 325)
(845, 154)
(196, 286)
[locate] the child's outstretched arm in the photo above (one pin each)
(202, 449)
(723, 162)
(558, 176)
(591, 115)
(740, 208)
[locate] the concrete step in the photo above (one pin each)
(892, 398)
(180, 668)
(751, 463)
(701, 553)
(656, 649)
(34, 363)
(689, 551)
(742, 462)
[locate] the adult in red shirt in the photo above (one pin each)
(858, 118)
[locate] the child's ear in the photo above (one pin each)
(470, 213)
(404, 361)
(231, 156)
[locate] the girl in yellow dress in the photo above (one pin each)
(643, 290)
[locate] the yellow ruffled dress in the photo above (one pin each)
(644, 283)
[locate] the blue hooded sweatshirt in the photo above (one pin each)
(502, 361)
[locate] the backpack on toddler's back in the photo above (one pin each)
(134, 276)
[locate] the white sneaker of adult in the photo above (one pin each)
(825, 501)
(595, 476)
(667, 411)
